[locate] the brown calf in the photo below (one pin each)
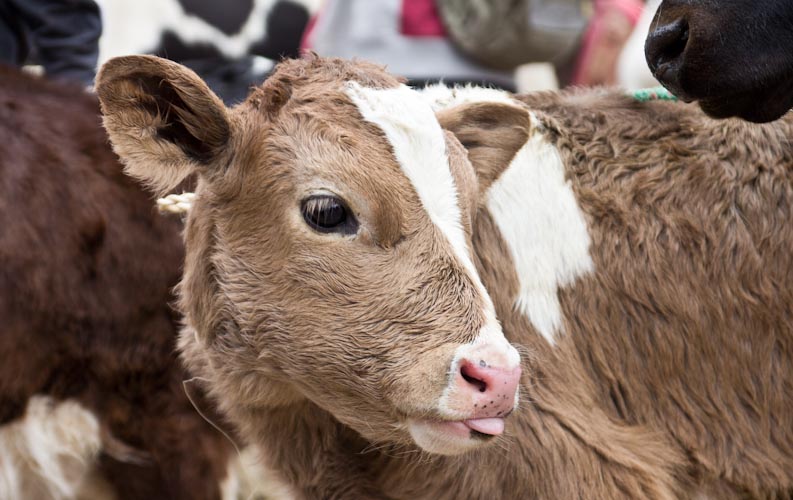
(338, 248)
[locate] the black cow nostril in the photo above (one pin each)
(479, 384)
(677, 46)
(666, 43)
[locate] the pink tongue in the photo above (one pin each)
(491, 426)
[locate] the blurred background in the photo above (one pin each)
(518, 45)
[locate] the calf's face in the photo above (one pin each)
(328, 250)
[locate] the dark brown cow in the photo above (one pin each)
(86, 273)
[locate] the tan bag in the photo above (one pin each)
(504, 34)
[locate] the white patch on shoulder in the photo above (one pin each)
(441, 97)
(49, 453)
(419, 145)
(537, 213)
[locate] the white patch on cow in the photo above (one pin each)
(536, 211)
(50, 452)
(419, 145)
(441, 97)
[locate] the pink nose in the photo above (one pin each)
(492, 389)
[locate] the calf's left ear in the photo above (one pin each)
(163, 120)
(491, 133)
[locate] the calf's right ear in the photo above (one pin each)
(163, 120)
(492, 133)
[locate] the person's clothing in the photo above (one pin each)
(505, 35)
(602, 43)
(581, 38)
(60, 35)
(407, 36)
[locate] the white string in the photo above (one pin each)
(176, 203)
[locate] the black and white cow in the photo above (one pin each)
(232, 45)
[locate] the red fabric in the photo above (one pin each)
(420, 18)
(307, 42)
(631, 9)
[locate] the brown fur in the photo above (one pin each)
(86, 272)
(491, 138)
(317, 346)
(685, 327)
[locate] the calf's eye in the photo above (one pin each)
(328, 214)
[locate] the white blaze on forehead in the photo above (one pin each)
(536, 211)
(409, 124)
(411, 127)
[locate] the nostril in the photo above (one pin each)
(676, 47)
(666, 43)
(465, 371)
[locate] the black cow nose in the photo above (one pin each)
(665, 44)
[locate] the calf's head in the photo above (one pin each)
(328, 250)
(733, 56)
